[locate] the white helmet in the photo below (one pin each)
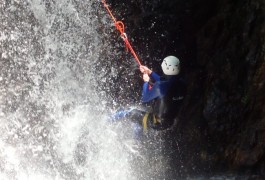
(170, 65)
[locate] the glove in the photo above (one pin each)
(145, 70)
(146, 78)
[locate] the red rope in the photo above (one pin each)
(120, 27)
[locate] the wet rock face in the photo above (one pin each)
(231, 51)
(221, 46)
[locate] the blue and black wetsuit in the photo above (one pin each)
(166, 97)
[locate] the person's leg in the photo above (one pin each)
(121, 114)
(136, 116)
(142, 121)
(132, 114)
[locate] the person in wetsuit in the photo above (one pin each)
(166, 95)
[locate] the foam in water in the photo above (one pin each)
(52, 119)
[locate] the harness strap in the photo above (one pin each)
(145, 119)
(155, 120)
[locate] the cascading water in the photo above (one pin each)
(53, 121)
(53, 118)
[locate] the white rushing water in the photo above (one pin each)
(52, 119)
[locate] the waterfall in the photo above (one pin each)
(52, 116)
(54, 109)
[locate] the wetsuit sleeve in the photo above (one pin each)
(156, 91)
(145, 92)
(155, 76)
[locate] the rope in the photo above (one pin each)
(121, 28)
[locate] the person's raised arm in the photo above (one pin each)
(145, 70)
(149, 72)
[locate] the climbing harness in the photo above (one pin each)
(120, 27)
(149, 119)
(145, 119)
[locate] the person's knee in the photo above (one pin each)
(136, 116)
